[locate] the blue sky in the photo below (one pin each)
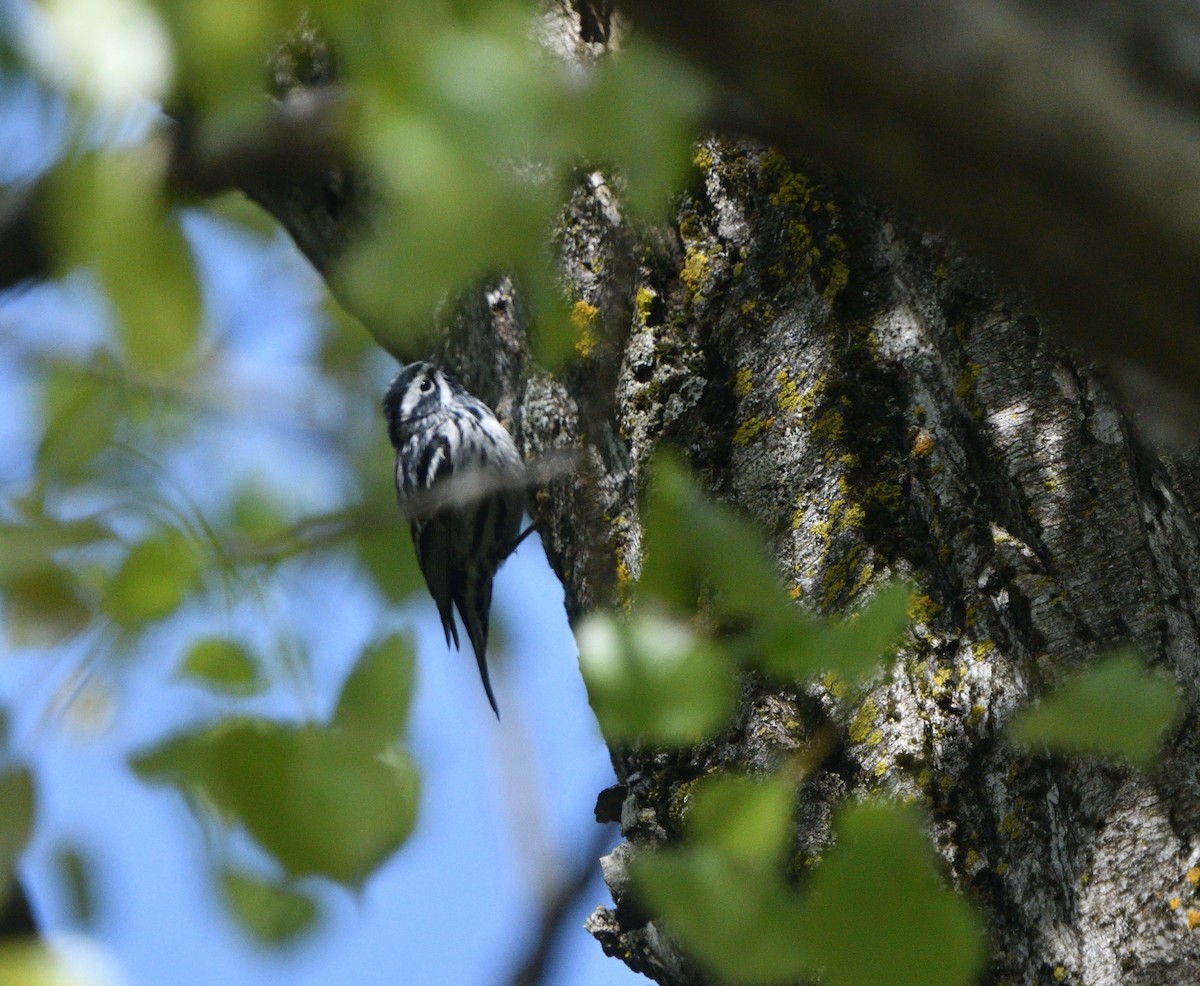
(503, 804)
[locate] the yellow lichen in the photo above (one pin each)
(645, 303)
(696, 267)
(1193, 875)
(1193, 918)
(830, 426)
(966, 381)
(789, 398)
(583, 316)
(1059, 973)
(750, 429)
(864, 721)
(702, 157)
(1173, 903)
(742, 383)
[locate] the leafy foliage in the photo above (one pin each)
(667, 674)
(1116, 709)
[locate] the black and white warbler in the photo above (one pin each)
(461, 483)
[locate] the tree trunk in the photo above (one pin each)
(880, 405)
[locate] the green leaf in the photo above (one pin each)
(76, 876)
(109, 212)
(82, 411)
(693, 545)
(1115, 709)
(26, 549)
(739, 919)
(650, 680)
(851, 648)
(222, 665)
(744, 817)
(18, 800)
(152, 581)
(44, 607)
(877, 912)
(386, 552)
(274, 915)
(375, 699)
(319, 801)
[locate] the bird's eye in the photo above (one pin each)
(426, 385)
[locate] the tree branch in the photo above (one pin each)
(1064, 145)
(298, 140)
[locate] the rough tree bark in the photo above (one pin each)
(879, 404)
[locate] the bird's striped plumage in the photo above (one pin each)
(460, 481)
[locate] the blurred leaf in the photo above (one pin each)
(77, 880)
(152, 580)
(1116, 708)
(877, 912)
(82, 413)
(373, 705)
(27, 549)
(387, 554)
(25, 963)
(319, 801)
(17, 810)
(44, 607)
(110, 52)
(222, 665)
(666, 98)
(740, 919)
(744, 817)
(692, 543)
(257, 513)
(650, 680)
(272, 914)
(852, 648)
(109, 212)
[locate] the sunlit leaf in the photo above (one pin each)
(739, 919)
(111, 52)
(29, 963)
(274, 915)
(319, 801)
(44, 607)
(651, 680)
(75, 875)
(876, 911)
(744, 817)
(17, 811)
(153, 580)
(374, 702)
(1116, 709)
(222, 665)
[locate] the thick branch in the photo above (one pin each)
(1065, 146)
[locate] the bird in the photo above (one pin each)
(460, 481)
